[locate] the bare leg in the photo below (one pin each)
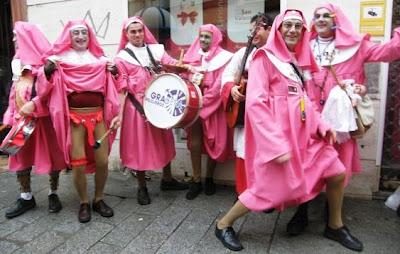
(195, 149)
(101, 158)
(237, 211)
(78, 134)
(167, 174)
(334, 194)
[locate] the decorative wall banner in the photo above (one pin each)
(186, 18)
(372, 17)
(239, 14)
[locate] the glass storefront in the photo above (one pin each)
(175, 23)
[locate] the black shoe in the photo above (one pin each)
(209, 186)
(173, 185)
(84, 214)
(228, 238)
(102, 208)
(194, 190)
(271, 210)
(342, 235)
(54, 203)
(143, 197)
(20, 207)
(398, 211)
(298, 222)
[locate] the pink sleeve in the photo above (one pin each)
(212, 97)
(387, 52)
(122, 81)
(263, 128)
(8, 117)
(167, 59)
(226, 94)
(45, 86)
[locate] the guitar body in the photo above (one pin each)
(235, 113)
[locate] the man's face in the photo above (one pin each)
(135, 34)
(80, 38)
(261, 35)
(292, 31)
(323, 20)
(205, 40)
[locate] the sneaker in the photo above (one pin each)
(54, 203)
(209, 186)
(342, 235)
(194, 190)
(143, 197)
(20, 207)
(102, 208)
(173, 185)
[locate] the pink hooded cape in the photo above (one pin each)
(63, 42)
(345, 34)
(276, 45)
(41, 149)
(69, 78)
(148, 36)
(142, 146)
(192, 54)
(274, 128)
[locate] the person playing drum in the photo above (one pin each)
(41, 149)
(83, 104)
(210, 132)
(142, 146)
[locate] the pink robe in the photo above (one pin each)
(41, 149)
(70, 78)
(274, 128)
(142, 146)
(217, 137)
(353, 68)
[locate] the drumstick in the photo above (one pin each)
(98, 142)
(181, 57)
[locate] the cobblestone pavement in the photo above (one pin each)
(172, 224)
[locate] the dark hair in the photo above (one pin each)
(263, 17)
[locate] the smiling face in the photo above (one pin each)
(324, 23)
(135, 34)
(291, 31)
(205, 40)
(80, 38)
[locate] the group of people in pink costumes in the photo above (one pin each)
(288, 153)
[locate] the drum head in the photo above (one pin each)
(165, 100)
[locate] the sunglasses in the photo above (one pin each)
(325, 15)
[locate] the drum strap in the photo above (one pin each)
(136, 104)
(157, 68)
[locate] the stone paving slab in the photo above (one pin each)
(172, 224)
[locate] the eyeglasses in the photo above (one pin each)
(325, 15)
(288, 25)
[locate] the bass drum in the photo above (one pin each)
(18, 135)
(171, 102)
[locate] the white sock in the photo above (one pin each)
(26, 195)
(52, 192)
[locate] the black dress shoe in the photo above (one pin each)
(84, 214)
(102, 208)
(20, 207)
(209, 186)
(342, 235)
(228, 238)
(173, 185)
(54, 203)
(299, 221)
(398, 211)
(271, 210)
(143, 197)
(194, 190)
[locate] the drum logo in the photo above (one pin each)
(174, 101)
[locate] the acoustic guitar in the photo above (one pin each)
(235, 110)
